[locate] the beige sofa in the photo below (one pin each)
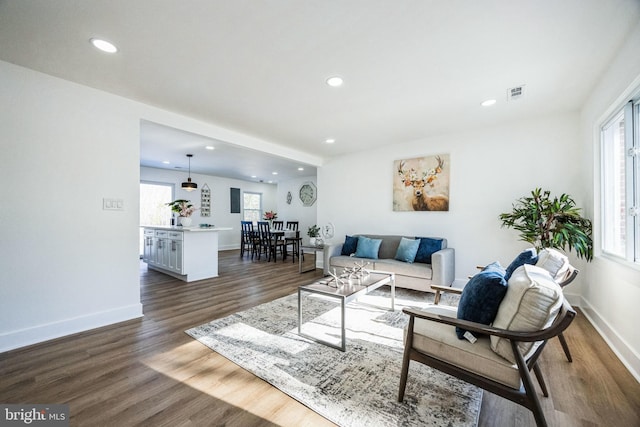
(418, 276)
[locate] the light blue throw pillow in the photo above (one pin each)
(407, 250)
(368, 248)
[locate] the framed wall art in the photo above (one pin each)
(205, 201)
(421, 184)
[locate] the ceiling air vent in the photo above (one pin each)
(515, 93)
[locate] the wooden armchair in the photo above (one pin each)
(501, 359)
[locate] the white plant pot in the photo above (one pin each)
(185, 221)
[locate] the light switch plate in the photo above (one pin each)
(109, 204)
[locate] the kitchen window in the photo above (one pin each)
(252, 206)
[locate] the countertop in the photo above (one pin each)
(189, 229)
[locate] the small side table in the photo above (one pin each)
(310, 249)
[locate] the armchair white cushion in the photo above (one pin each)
(532, 301)
(555, 262)
(440, 341)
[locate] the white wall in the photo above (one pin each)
(296, 211)
(490, 168)
(611, 289)
(67, 265)
(221, 215)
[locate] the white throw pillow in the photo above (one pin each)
(555, 262)
(532, 302)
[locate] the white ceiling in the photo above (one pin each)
(412, 68)
(160, 143)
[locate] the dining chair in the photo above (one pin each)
(293, 241)
(277, 225)
(269, 242)
(246, 237)
(262, 241)
(276, 242)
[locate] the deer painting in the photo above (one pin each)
(420, 182)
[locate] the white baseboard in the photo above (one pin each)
(629, 358)
(37, 334)
(228, 247)
(574, 299)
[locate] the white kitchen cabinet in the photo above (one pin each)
(148, 239)
(188, 253)
(161, 242)
(173, 251)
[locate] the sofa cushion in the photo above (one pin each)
(439, 340)
(389, 245)
(422, 271)
(349, 261)
(532, 302)
(350, 245)
(555, 262)
(428, 246)
(482, 296)
(407, 250)
(528, 256)
(368, 248)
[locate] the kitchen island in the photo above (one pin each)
(186, 253)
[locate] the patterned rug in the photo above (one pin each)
(358, 387)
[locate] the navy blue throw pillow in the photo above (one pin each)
(428, 246)
(350, 245)
(482, 296)
(528, 256)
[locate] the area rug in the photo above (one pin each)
(358, 387)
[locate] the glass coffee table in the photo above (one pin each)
(345, 293)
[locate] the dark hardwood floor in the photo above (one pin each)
(149, 372)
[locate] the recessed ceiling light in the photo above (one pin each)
(488, 102)
(253, 176)
(335, 81)
(300, 169)
(274, 173)
(104, 45)
(166, 162)
(210, 147)
(329, 140)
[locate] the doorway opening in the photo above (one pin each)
(154, 211)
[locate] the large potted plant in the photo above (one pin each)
(548, 222)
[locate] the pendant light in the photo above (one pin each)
(189, 186)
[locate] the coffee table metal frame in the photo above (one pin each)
(345, 294)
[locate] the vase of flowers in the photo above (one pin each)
(184, 209)
(270, 216)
